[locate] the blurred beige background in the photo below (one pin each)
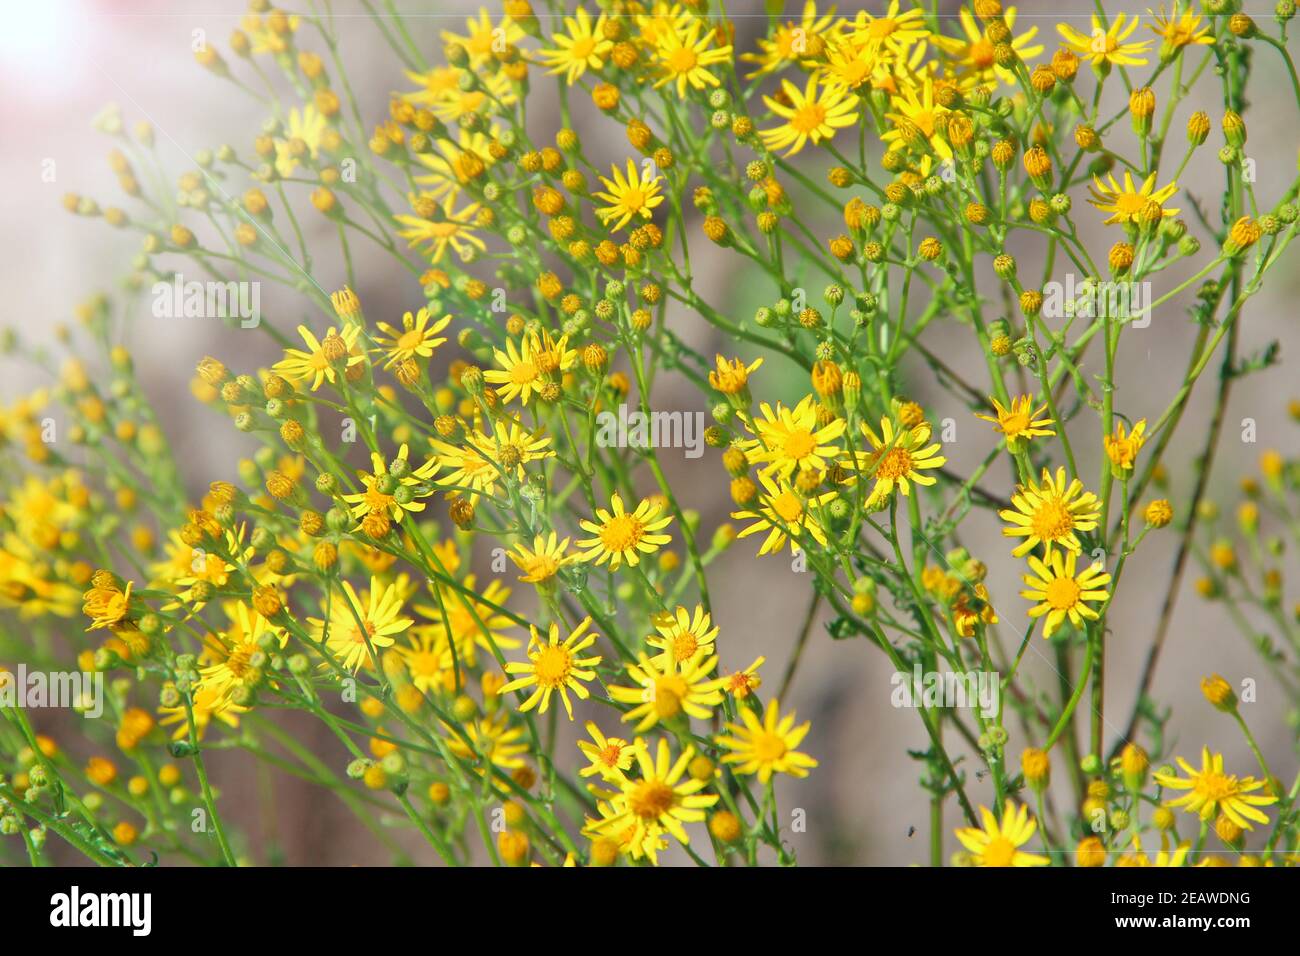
(61, 61)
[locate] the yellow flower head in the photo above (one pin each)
(1107, 47)
(998, 843)
(1019, 422)
(637, 194)
(554, 666)
(810, 115)
(1049, 513)
(1061, 593)
(766, 746)
(1211, 791)
(624, 536)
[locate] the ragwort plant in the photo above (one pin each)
(870, 172)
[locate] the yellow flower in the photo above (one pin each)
(527, 368)
(1105, 48)
(473, 620)
(315, 366)
(785, 515)
(793, 42)
(740, 684)
(914, 110)
(1122, 448)
(610, 756)
(789, 439)
(666, 688)
(208, 703)
(682, 56)
(1063, 594)
(381, 494)
(455, 164)
(543, 561)
(583, 48)
(998, 844)
(1019, 421)
(1211, 791)
(1049, 513)
(1179, 29)
(1127, 203)
(234, 649)
(768, 746)
(354, 624)
(107, 606)
(306, 126)
(897, 458)
(554, 667)
(417, 337)
(623, 536)
(636, 195)
(493, 738)
(974, 57)
(657, 801)
(811, 115)
(731, 376)
(680, 635)
(893, 30)
(483, 38)
(450, 228)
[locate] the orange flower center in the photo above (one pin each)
(622, 533)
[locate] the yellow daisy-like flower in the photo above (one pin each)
(208, 703)
(898, 457)
(740, 684)
(785, 515)
(894, 30)
(683, 56)
(610, 757)
(657, 801)
(680, 635)
(794, 42)
(451, 228)
(491, 93)
(1020, 421)
(623, 536)
(1211, 791)
(584, 47)
(306, 126)
(529, 366)
(314, 366)
(511, 446)
(492, 737)
(998, 844)
(635, 195)
(973, 55)
(554, 667)
(418, 336)
(1126, 203)
(1178, 29)
(914, 110)
(233, 650)
(453, 165)
(851, 65)
(666, 688)
(1061, 593)
(810, 115)
(789, 439)
(543, 560)
(353, 623)
(1122, 448)
(768, 746)
(474, 620)
(483, 38)
(426, 659)
(1105, 48)
(381, 488)
(1049, 513)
